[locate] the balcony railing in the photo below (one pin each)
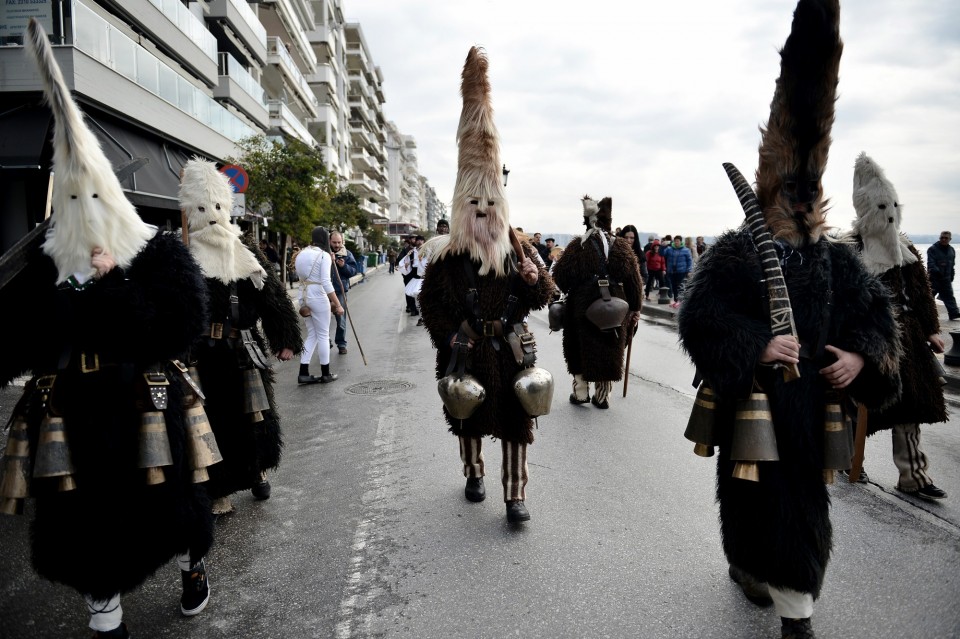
(101, 41)
(282, 117)
(191, 25)
(276, 48)
(252, 20)
(230, 66)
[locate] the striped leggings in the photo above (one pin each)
(909, 457)
(513, 471)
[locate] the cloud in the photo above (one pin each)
(644, 101)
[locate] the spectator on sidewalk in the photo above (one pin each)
(679, 264)
(656, 268)
(344, 267)
(941, 263)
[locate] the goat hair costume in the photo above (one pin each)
(778, 529)
(889, 254)
(113, 531)
(250, 441)
(595, 354)
(97, 316)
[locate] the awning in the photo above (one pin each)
(23, 133)
(26, 144)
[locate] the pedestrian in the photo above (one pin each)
(318, 300)
(689, 244)
(97, 316)
(345, 267)
(701, 245)
(592, 269)
(476, 292)
(412, 267)
(776, 532)
(679, 263)
(941, 261)
(656, 268)
(552, 251)
(632, 236)
(407, 272)
(443, 227)
(392, 259)
(891, 256)
(245, 295)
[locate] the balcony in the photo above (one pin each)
(180, 108)
(279, 56)
(323, 82)
(244, 23)
(360, 136)
(297, 21)
(362, 160)
(242, 90)
(282, 119)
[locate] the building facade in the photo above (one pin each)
(165, 80)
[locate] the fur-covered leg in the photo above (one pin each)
(581, 390)
(601, 394)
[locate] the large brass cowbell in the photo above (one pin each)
(254, 395)
(201, 443)
(754, 439)
(701, 422)
(15, 469)
(53, 454)
(154, 451)
(837, 443)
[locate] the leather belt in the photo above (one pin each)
(216, 332)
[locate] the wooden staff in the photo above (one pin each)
(858, 444)
(626, 367)
(346, 309)
(781, 313)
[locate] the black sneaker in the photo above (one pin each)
(574, 400)
(930, 492)
(796, 629)
(308, 379)
(864, 478)
(603, 404)
(261, 490)
(517, 512)
(196, 590)
(120, 632)
(326, 379)
(474, 490)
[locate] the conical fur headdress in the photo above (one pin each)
(206, 200)
(796, 138)
(90, 209)
(878, 218)
(480, 216)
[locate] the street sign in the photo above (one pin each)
(239, 181)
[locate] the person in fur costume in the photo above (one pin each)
(891, 256)
(476, 288)
(776, 532)
(595, 355)
(111, 302)
(247, 431)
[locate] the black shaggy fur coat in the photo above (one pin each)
(443, 307)
(596, 355)
(113, 531)
(922, 399)
(247, 447)
(778, 529)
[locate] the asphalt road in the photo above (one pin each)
(367, 533)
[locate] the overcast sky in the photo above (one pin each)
(643, 101)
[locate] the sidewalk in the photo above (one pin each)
(663, 313)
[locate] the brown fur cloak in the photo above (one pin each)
(443, 307)
(596, 355)
(922, 399)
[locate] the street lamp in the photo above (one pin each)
(506, 173)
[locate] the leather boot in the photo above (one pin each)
(474, 490)
(517, 512)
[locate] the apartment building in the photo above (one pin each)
(168, 79)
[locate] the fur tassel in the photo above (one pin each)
(88, 201)
(796, 139)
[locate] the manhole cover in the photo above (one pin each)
(379, 387)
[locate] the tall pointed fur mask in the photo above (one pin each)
(90, 209)
(206, 200)
(878, 218)
(480, 219)
(796, 139)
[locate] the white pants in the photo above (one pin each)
(790, 603)
(318, 331)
